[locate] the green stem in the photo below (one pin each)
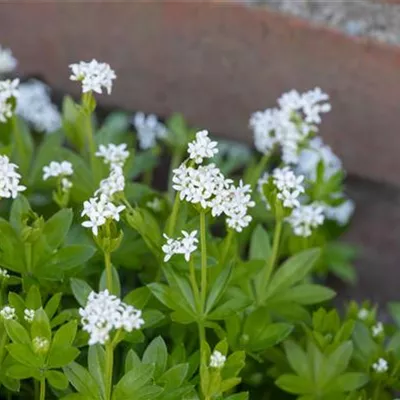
(109, 370)
(258, 170)
(42, 389)
(195, 288)
(203, 242)
(203, 361)
(3, 342)
(270, 263)
(227, 245)
(107, 261)
(174, 216)
(175, 161)
(28, 257)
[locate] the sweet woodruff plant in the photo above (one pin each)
(118, 282)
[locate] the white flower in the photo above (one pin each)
(4, 274)
(35, 106)
(202, 147)
(9, 179)
(29, 315)
(113, 184)
(8, 312)
(8, 90)
(7, 61)
(113, 154)
(377, 329)
(98, 210)
(310, 157)
(185, 245)
(154, 204)
(363, 314)
(341, 213)
(94, 76)
(5, 111)
(148, 129)
(66, 184)
(381, 365)
(104, 313)
(40, 344)
(217, 359)
(306, 218)
(56, 169)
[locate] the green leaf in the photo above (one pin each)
(338, 361)
(81, 290)
(52, 305)
(96, 365)
(16, 332)
(19, 213)
(218, 288)
(394, 309)
(33, 298)
(138, 297)
(56, 228)
(174, 377)
(12, 253)
(304, 294)
(292, 271)
(231, 302)
(19, 371)
(59, 356)
(156, 353)
(260, 245)
(23, 354)
(40, 326)
(22, 146)
(57, 379)
(81, 380)
(116, 284)
(132, 360)
(294, 384)
(131, 383)
(73, 122)
(65, 335)
(298, 360)
(350, 381)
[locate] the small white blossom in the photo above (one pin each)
(56, 169)
(8, 312)
(8, 90)
(66, 184)
(104, 313)
(377, 330)
(148, 129)
(381, 365)
(185, 245)
(98, 210)
(7, 61)
(202, 147)
(35, 106)
(306, 218)
(363, 314)
(217, 359)
(29, 315)
(113, 154)
(4, 274)
(154, 204)
(9, 179)
(94, 76)
(40, 344)
(341, 213)
(114, 183)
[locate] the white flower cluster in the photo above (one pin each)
(207, 186)
(342, 213)
(98, 210)
(289, 186)
(105, 312)
(59, 170)
(29, 315)
(100, 207)
(35, 106)
(113, 154)
(305, 218)
(363, 314)
(8, 90)
(7, 61)
(380, 366)
(94, 76)
(8, 312)
(9, 179)
(202, 147)
(377, 330)
(148, 129)
(4, 274)
(40, 344)
(185, 245)
(217, 359)
(290, 125)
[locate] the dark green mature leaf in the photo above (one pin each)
(156, 353)
(292, 271)
(12, 253)
(52, 305)
(232, 302)
(174, 377)
(57, 379)
(56, 228)
(294, 384)
(96, 365)
(218, 288)
(116, 284)
(138, 297)
(82, 381)
(350, 381)
(81, 290)
(260, 245)
(20, 211)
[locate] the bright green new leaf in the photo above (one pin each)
(57, 379)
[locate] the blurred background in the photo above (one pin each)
(217, 62)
